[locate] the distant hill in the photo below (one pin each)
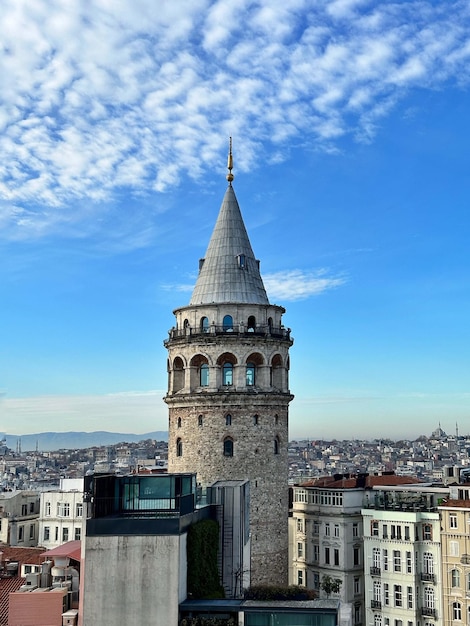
(77, 440)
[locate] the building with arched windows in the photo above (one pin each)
(228, 387)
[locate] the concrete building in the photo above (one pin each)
(61, 514)
(19, 512)
(228, 388)
(402, 556)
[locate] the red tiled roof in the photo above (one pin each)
(22, 555)
(330, 482)
(460, 504)
(72, 549)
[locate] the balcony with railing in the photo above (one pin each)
(427, 611)
(375, 604)
(375, 571)
(427, 577)
(191, 333)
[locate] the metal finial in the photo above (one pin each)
(230, 164)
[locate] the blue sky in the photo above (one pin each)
(350, 125)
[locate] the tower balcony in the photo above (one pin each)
(190, 333)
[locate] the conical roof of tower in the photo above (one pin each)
(229, 272)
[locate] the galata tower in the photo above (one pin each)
(228, 387)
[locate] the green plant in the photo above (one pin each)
(202, 549)
(330, 585)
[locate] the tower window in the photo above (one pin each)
(227, 323)
(251, 323)
(204, 375)
(228, 420)
(228, 446)
(204, 325)
(241, 261)
(179, 447)
(250, 374)
(255, 420)
(277, 444)
(179, 422)
(200, 420)
(227, 374)
(276, 419)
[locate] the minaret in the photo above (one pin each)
(228, 389)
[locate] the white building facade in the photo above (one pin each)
(402, 557)
(61, 514)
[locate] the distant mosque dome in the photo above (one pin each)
(438, 433)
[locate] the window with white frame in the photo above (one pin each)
(396, 561)
(456, 611)
(377, 591)
(357, 585)
(409, 597)
(78, 533)
(428, 561)
(409, 563)
(397, 595)
(300, 550)
(327, 529)
(385, 559)
(300, 525)
(316, 528)
(374, 528)
(316, 553)
(377, 619)
(63, 509)
(47, 509)
(429, 597)
(386, 594)
(47, 533)
(355, 529)
(454, 548)
(79, 509)
(336, 530)
(455, 578)
(65, 534)
(452, 520)
(300, 577)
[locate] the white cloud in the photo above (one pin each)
(291, 285)
(101, 96)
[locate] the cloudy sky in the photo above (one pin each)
(351, 131)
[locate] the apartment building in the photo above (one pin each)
(402, 556)
(325, 535)
(61, 514)
(19, 512)
(455, 541)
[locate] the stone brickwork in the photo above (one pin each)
(250, 414)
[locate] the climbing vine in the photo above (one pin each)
(202, 549)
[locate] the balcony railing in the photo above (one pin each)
(238, 331)
(428, 578)
(375, 571)
(375, 604)
(427, 611)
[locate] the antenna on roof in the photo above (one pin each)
(230, 164)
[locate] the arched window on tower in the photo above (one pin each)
(227, 374)
(179, 422)
(277, 445)
(228, 420)
(227, 323)
(255, 420)
(204, 375)
(250, 374)
(179, 447)
(228, 446)
(251, 324)
(200, 420)
(204, 325)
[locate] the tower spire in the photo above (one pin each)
(230, 164)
